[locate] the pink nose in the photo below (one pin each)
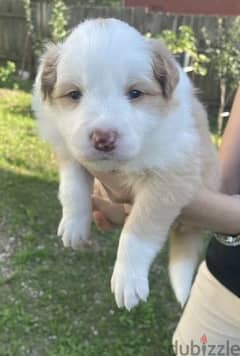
(104, 140)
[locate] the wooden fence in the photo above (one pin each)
(13, 28)
(14, 43)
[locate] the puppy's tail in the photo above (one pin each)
(185, 247)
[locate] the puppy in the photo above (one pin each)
(114, 104)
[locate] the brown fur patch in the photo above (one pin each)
(60, 95)
(164, 67)
(49, 71)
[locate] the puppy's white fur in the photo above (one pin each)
(163, 153)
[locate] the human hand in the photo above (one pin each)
(106, 214)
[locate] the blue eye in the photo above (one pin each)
(75, 94)
(134, 94)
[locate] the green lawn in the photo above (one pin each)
(55, 301)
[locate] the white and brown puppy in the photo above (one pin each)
(111, 101)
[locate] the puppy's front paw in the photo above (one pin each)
(74, 231)
(128, 285)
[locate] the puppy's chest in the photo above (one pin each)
(175, 186)
(117, 184)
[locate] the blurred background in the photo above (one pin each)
(204, 37)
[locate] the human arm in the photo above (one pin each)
(220, 212)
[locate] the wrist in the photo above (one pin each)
(228, 240)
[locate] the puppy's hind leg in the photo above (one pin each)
(185, 248)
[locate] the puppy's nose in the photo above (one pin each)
(104, 140)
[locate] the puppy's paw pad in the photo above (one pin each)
(128, 287)
(73, 232)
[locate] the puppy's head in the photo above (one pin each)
(107, 89)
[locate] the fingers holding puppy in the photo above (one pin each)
(106, 214)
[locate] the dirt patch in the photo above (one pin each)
(8, 246)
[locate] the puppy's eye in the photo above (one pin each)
(134, 94)
(75, 94)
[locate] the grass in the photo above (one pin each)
(55, 301)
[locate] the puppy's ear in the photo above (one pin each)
(48, 75)
(164, 68)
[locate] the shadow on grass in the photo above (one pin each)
(28, 200)
(58, 301)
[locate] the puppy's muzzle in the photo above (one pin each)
(104, 140)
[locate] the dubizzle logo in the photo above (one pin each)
(204, 341)
(205, 348)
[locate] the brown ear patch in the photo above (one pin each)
(49, 70)
(164, 68)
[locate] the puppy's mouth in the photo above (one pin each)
(97, 157)
(105, 157)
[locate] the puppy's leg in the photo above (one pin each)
(185, 248)
(143, 235)
(75, 196)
